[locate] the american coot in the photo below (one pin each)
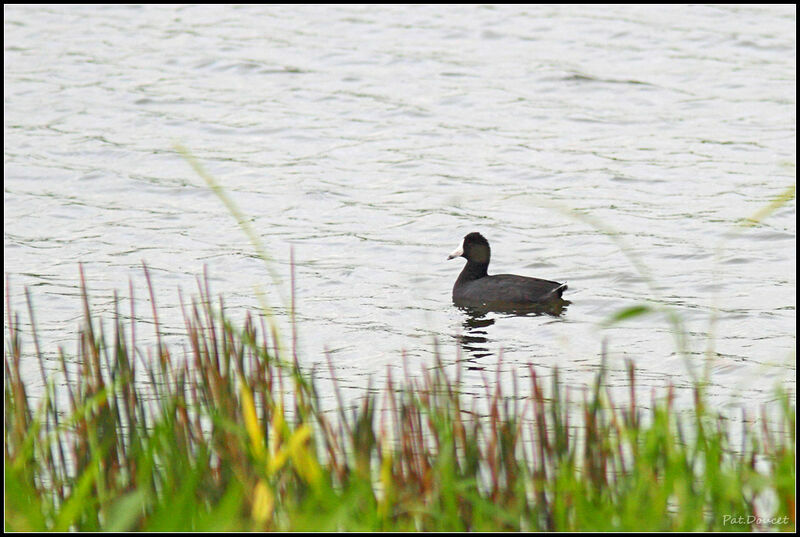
(474, 288)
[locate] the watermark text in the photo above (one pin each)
(752, 519)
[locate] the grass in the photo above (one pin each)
(232, 435)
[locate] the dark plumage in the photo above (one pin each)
(474, 288)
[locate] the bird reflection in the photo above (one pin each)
(475, 340)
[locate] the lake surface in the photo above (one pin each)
(612, 147)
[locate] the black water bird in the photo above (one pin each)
(476, 289)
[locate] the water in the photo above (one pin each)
(370, 139)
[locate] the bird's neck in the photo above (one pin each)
(473, 271)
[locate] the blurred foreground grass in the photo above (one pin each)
(232, 436)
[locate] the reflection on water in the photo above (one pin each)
(475, 340)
